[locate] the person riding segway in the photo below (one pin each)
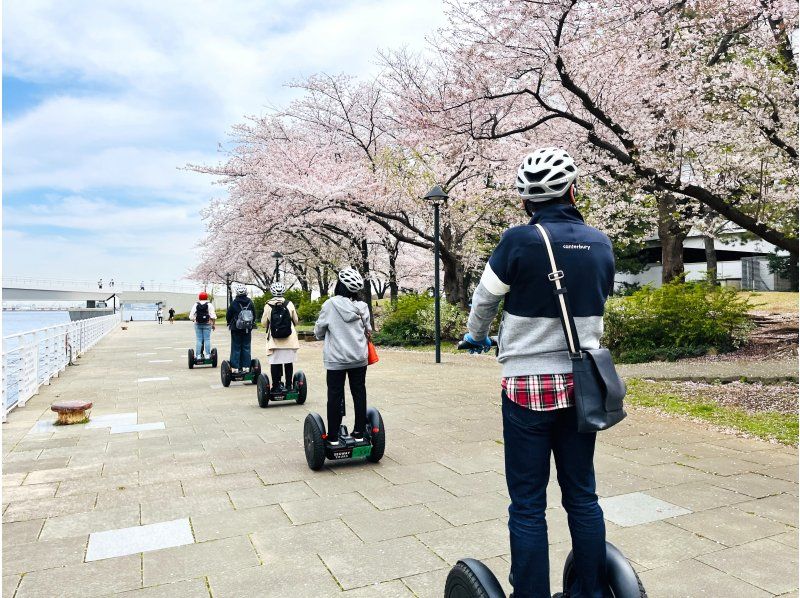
(204, 317)
(280, 321)
(538, 391)
(241, 321)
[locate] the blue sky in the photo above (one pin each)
(103, 102)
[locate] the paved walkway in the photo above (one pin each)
(237, 513)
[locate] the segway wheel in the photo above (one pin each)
(262, 391)
(300, 384)
(622, 578)
(472, 579)
(378, 438)
(191, 359)
(313, 441)
(225, 373)
(213, 358)
(255, 368)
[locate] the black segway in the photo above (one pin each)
(200, 361)
(317, 447)
(297, 392)
(469, 578)
(227, 375)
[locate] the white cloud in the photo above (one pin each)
(141, 87)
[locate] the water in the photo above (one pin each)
(18, 321)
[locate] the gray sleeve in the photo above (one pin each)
(321, 326)
(484, 309)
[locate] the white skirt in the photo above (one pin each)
(280, 356)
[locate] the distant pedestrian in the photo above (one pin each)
(171, 315)
(111, 283)
(160, 315)
(141, 286)
(100, 284)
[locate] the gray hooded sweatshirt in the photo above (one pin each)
(342, 324)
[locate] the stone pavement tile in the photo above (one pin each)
(180, 506)
(781, 507)
(13, 479)
(62, 473)
(20, 493)
(224, 524)
(379, 561)
(48, 507)
(260, 496)
(755, 485)
(332, 485)
(299, 578)
(698, 496)
(83, 524)
(178, 471)
(141, 538)
(668, 473)
(429, 584)
(622, 482)
(771, 458)
(228, 482)
(85, 580)
(388, 589)
(474, 483)
(766, 564)
(728, 525)
(323, 508)
(278, 473)
(477, 464)
(194, 560)
(659, 544)
(693, 579)
(651, 455)
(783, 472)
(99, 484)
(138, 494)
(706, 450)
(22, 558)
(10, 583)
(721, 466)
(21, 532)
(403, 495)
(459, 510)
(637, 508)
(404, 474)
(239, 464)
(193, 588)
(788, 538)
(283, 542)
(374, 526)
(476, 540)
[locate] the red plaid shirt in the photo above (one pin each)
(545, 392)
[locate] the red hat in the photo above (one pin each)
(203, 296)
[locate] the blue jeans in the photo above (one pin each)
(202, 334)
(529, 438)
(240, 350)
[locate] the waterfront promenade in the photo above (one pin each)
(182, 488)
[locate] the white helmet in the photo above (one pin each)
(546, 173)
(351, 279)
(239, 288)
(277, 288)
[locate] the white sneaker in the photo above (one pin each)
(335, 443)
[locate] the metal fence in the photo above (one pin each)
(33, 358)
(59, 284)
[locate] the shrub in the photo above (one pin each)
(308, 311)
(677, 320)
(412, 322)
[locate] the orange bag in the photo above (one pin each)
(372, 354)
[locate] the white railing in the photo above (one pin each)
(59, 284)
(33, 358)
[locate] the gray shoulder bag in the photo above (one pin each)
(598, 388)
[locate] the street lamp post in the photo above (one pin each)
(438, 197)
(227, 289)
(277, 255)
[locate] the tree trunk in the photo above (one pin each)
(365, 270)
(793, 274)
(711, 259)
(671, 232)
(393, 287)
(456, 281)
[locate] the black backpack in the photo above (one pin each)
(201, 315)
(280, 321)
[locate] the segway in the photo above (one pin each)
(227, 375)
(194, 360)
(317, 447)
(297, 392)
(469, 578)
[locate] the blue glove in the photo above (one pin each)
(480, 346)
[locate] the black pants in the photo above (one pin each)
(358, 389)
(277, 371)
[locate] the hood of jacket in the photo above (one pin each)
(346, 308)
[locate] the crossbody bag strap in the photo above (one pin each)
(567, 321)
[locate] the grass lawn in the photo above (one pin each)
(775, 303)
(675, 399)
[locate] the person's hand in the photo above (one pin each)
(479, 346)
(213, 327)
(368, 333)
